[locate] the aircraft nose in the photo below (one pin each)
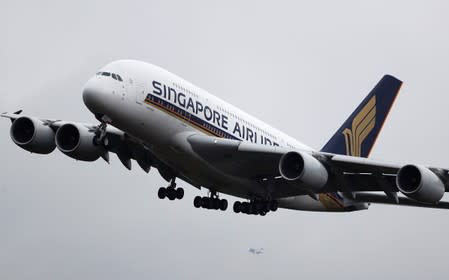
(93, 96)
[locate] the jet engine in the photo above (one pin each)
(420, 183)
(33, 135)
(304, 167)
(76, 141)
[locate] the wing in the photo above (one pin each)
(118, 142)
(347, 174)
(245, 160)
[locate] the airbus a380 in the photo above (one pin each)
(158, 119)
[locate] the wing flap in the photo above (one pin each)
(363, 165)
(403, 201)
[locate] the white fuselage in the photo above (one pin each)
(156, 107)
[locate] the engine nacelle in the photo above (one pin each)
(77, 142)
(304, 167)
(420, 183)
(32, 135)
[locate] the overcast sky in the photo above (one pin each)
(301, 66)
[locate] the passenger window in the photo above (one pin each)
(106, 74)
(98, 73)
(119, 78)
(114, 76)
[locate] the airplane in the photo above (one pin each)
(157, 119)
(255, 251)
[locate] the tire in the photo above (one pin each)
(223, 205)
(179, 193)
(237, 207)
(245, 208)
(197, 202)
(252, 209)
(216, 203)
(171, 193)
(162, 193)
(210, 203)
(205, 202)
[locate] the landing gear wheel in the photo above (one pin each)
(223, 205)
(171, 193)
(179, 193)
(216, 203)
(252, 209)
(245, 208)
(237, 207)
(205, 202)
(197, 202)
(211, 204)
(162, 193)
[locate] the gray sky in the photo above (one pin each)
(301, 66)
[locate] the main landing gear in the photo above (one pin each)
(171, 192)
(255, 207)
(210, 202)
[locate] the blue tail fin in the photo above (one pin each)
(356, 137)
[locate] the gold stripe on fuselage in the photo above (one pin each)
(330, 202)
(182, 118)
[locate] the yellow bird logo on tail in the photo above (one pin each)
(362, 125)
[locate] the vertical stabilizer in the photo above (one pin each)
(356, 137)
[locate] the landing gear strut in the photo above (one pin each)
(171, 192)
(255, 207)
(100, 132)
(210, 202)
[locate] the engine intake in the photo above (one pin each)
(32, 135)
(302, 166)
(420, 183)
(77, 142)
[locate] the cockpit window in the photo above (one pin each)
(108, 74)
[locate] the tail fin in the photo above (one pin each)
(356, 137)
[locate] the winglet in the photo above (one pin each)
(357, 135)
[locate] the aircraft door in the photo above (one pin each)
(139, 91)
